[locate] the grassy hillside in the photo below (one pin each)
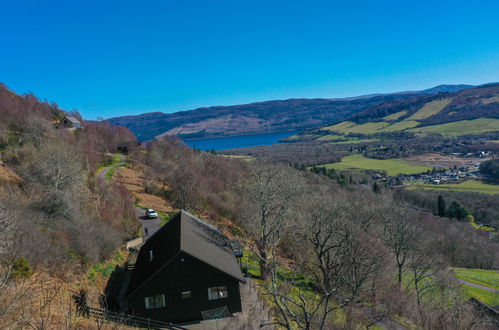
(462, 127)
(470, 111)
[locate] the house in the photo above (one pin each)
(184, 268)
(70, 122)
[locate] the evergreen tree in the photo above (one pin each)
(441, 206)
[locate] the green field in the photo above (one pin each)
(462, 127)
(329, 137)
(400, 126)
(430, 109)
(466, 186)
(391, 166)
(395, 116)
(487, 297)
(488, 278)
(351, 127)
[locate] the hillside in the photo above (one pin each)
(260, 117)
(469, 111)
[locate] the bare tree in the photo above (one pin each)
(339, 255)
(269, 195)
(423, 265)
(400, 233)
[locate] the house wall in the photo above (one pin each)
(183, 274)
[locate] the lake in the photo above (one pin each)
(233, 142)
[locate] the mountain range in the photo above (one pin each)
(264, 117)
(463, 112)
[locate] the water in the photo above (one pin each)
(234, 142)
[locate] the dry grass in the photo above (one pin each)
(133, 180)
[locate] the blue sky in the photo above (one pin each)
(111, 58)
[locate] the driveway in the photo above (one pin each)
(152, 224)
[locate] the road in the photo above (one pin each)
(478, 286)
(152, 224)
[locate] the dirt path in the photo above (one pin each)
(103, 172)
(478, 286)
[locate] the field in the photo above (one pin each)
(395, 116)
(488, 278)
(487, 297)
(391, 166)
(462, 127)
(430, 109)
(350, 127)
(466, 186)
(400, 126)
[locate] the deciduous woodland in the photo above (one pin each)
(323, 254)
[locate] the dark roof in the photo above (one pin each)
(184, 233)
(207, 243)
(72, 119)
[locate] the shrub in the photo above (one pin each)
(21, 268)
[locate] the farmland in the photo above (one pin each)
(430, 109)
(462, 127)
(487, 297)
(488, 278)
(392, 167)
(466, 186)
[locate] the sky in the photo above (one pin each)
(113, 58)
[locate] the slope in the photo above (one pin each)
(259, 117)
(470, 111)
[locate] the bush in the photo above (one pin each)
(21, 268)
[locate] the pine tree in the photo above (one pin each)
(441, 206)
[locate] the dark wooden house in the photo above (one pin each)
(186, 267)
(70, 122)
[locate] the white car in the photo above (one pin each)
(151, 214)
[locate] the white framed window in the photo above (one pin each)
(186, 294)
(217, 292)
(157, 301)
(151, 255)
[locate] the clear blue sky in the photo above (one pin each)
(109, 58)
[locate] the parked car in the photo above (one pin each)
(151, 214)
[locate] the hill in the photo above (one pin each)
(468, 111)
(260, 117)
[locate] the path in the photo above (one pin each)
(389, 324)
(152, 224)
(478, 286)
(103, 172)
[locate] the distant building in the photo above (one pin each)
(70, 122)
(186, 267)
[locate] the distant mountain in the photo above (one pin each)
(260, 117)
(466, 111)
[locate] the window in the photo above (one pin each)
(217, 292)
(157, 301)
(186, 294)
(150, 255)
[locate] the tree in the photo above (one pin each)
(337, 252)
(269, 195)
(456, 210)
(401, 234)
(441, 206)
